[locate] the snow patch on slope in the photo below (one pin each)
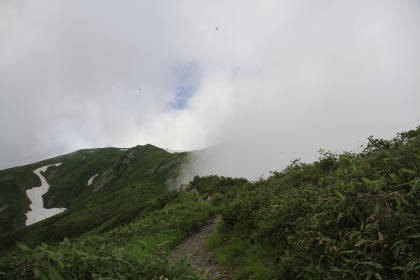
(175, 151)
(91, 179)
(38, 212)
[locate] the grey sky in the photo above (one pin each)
(277, 81)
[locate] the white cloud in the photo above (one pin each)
(278, 80)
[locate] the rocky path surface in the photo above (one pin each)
(199, 257)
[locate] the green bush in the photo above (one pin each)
(76, 261)
(137, 250)
(342, 217)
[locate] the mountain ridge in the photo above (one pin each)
(121, 172)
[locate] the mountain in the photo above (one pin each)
(70, 181)
(344, 216)
(127, 182)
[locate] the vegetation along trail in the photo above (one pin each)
(200, 258)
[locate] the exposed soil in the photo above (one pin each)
(199, 257)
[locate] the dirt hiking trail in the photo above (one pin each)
(199, 257)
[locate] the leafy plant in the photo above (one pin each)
(137, 250)
(347, 216)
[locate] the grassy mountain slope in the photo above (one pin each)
(124, 189)
(13, 200)
(137, 250)
(72, 177)
(347, 216)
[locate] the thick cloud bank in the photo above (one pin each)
(277, 80)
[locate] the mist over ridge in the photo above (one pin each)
(276, 81)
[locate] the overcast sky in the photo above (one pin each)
(277, 80)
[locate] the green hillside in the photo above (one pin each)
(70, 181)
(128, 183)
(344, 216)
(13, 200)
(137, 250)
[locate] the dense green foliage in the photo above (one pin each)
(347, 216)
(137, 250)
(221, 189)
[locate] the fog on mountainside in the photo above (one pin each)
(253, 156)
(274, 77)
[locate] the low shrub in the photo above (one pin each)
(137, 250)
(348, 216)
